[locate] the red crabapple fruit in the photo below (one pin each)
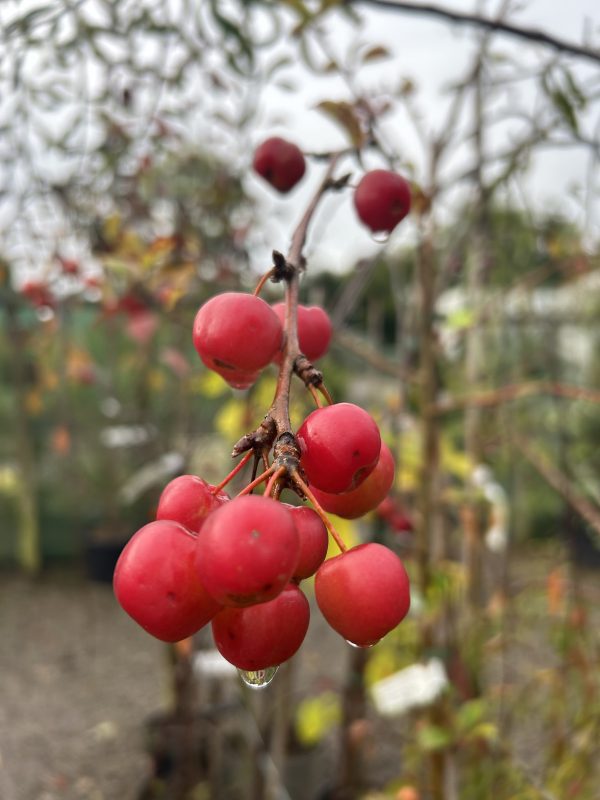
(263, 635)
(314, 330)
(313, 541)
(236, 335)
(247, 551)
(156, 582)
(382, 200)
(363, 593)
(188, 500)
(280, 163)
(340, 446)
(367, 496)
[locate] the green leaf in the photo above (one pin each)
(470, 714)
(563, 105)
(460, 319)
(434, 737)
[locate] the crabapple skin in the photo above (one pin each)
(157, 584)
(236, 335)
(280, 163)
(188, 500)
(263, 635)
(247, 551)
(382, 200)
(363, 593)
(367, 496)
(340, 446)
(314, 330)
(313, 541)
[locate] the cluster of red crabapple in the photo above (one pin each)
(238, 563)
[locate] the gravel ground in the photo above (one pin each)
(78, 678)
(78, 681)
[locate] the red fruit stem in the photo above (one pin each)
(304, 488)
(256, 482)
(263, 280)
(315, 396)
(273, 480)
(323, 389)
(233, 473)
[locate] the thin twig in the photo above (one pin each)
(563, 485)
(495, 25)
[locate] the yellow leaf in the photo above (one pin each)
(316, 716)
(209, 384)
(111, 228)
(348, 531)
(230, 419)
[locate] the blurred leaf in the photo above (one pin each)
(316, 716)
(469, 714)
(486, 731)
(461, 319)
(230, 421)
(376, 53)
(434, 737)
(345, 115)
(563, 105)
(210, 384)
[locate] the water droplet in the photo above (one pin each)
(258, 679)
(381, 237)
(361, 646)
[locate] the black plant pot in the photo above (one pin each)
(101, 559)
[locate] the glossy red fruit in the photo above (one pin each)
(314, 330)
(263, 635)
(340, 446)
(363, 593)
(247, 551)
(188, 500)
(156, 582)
(313, 541)
(367, 496)
(382, 200)
(236, 335)
(280, 163)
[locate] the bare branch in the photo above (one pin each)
(496, 25)
(562, 484)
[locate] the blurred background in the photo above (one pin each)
(126, 200)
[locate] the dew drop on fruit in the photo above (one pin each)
(258, 679)
(362, 646)
(381, 237)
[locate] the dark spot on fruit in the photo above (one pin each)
(267, 587)
(358, 476)
(222, 364)
(356, 453)
(172, 598)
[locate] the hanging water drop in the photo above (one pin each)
(258, 679)
(361, 646)
(381, 237)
